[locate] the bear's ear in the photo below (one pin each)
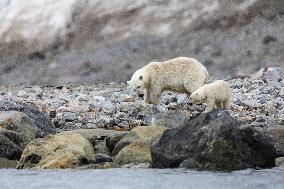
(141, 77)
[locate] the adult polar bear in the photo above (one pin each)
(181, 75)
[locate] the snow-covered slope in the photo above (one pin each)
(34, 25)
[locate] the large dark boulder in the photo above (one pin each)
(213, 141)
(42, 122)
(16, 131)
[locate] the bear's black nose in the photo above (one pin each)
(141, 95)
(190, 104)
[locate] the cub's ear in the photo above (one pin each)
(141, 77)
(128, 83)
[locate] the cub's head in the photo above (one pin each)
(139, 81)
(197, 97)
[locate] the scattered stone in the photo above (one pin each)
(213, 141)
(69, 116)
(57, 151)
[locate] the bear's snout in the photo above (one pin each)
(140, 95)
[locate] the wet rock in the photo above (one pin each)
(136, 166)
(6, 164)
(279, 162)
(213, 141)
(137, 134)
(42, 122)
(16, 131)
(111, 141)
(101, 158)
(57, 151)
(277, 135)
(105, 165)
(136, 152)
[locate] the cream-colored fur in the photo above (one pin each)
(182, 75)
(214, 95)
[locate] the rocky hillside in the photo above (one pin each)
(87, 41)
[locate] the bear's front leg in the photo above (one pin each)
(155, 96)
(147, 96)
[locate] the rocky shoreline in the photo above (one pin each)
(106, 115)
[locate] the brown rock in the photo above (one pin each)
(57, 151)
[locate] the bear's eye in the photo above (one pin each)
(138, 87)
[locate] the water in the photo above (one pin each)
(140, 178)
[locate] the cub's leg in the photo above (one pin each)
(210, 105)
(226, 104)
(219, 104)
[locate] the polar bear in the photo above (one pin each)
(181, 75)
(214, 95)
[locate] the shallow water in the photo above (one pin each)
(140, 178)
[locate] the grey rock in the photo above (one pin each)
(277, 136)
(42, 121)
(213, 141)
(250, 104)
(136, 166)
(170, 119)
(16, 131)
(101, 158)
(69, 116)
(279, 162)
(140, 133)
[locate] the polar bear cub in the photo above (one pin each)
(214, 95)
(181, 75)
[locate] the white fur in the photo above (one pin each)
(214, 95)
(182, 75)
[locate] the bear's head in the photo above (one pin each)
(139, 81)
(197, 97)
